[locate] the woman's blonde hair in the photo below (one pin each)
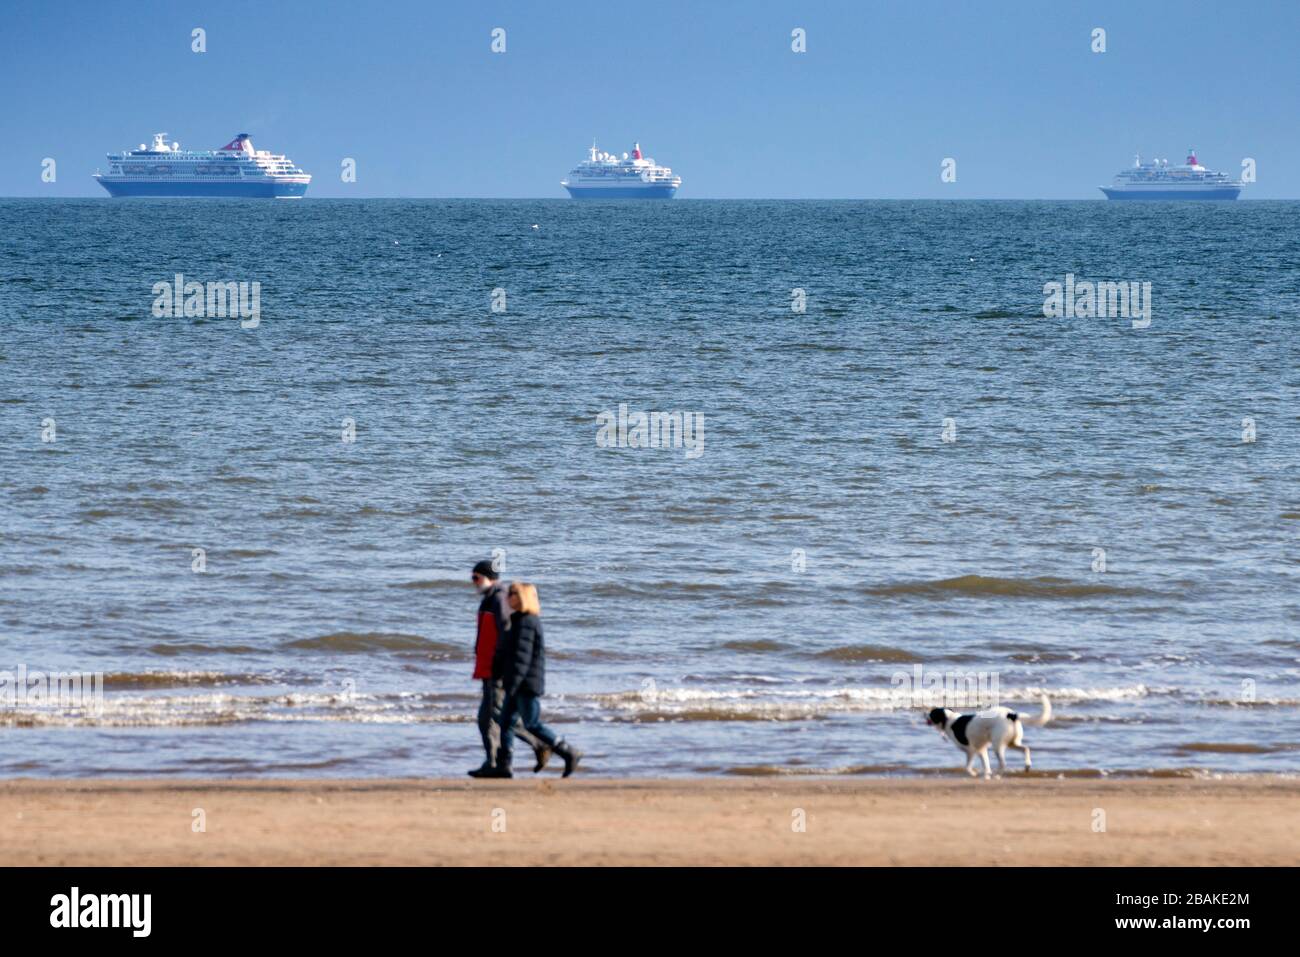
(528, 601)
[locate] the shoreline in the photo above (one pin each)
(531, 821)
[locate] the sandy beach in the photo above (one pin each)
(706, 821)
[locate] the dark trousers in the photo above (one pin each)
(526, 709)
(489, 722)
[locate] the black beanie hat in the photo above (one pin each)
(485, 569)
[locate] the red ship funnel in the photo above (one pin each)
(636, 151)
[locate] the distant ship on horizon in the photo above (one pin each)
(1159, 180)
(605, 176)
(237, 170)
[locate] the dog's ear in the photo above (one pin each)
(938, 717)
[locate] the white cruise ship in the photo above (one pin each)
(605, 176)
(1159, 180)
(234, 170)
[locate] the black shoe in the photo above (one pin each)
(480, 771)
(543, 755)
(571, 757)
(497, 772)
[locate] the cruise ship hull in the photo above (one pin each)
(622, 192)
(1225, 192)
(122, 188)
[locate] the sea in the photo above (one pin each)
(786, 475)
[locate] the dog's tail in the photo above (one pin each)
(1040, 719)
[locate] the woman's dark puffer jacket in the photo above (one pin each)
(521, 660)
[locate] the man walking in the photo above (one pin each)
(493, 619)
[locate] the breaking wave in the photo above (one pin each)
(767, 704)
(215, 709)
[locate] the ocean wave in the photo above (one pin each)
(996, 313)
(1043, 656)
(981, 586)
(1217, 702)
(777, 770)
(738, 678)
(218, 709)
(770, 704)
(352, 642)
(193, 648)
(593, 654)
(660, 590)
(180, 679)
(1225, 747)
(767, 712)
(213, 698)
(867, 653)
(756, 644)
(438, 584)
(283, 513)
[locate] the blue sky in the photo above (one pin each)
(886, 90)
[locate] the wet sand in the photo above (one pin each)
(702, 821)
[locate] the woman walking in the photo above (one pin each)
(521, 662)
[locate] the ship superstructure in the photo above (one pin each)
(237, 169)
(606, 176)
(1158, 180)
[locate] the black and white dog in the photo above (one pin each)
(998, 728)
